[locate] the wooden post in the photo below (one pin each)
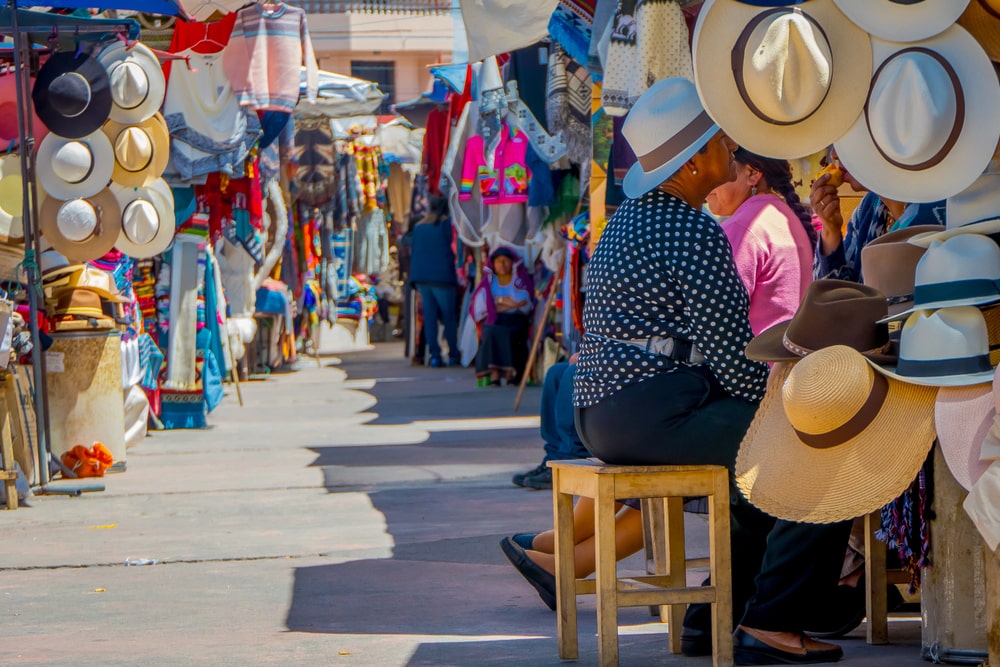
(538, 337)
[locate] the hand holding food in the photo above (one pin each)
(836, 174)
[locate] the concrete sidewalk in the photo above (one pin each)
(348, 514)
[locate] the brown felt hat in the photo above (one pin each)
(833, 312)
(889, 264)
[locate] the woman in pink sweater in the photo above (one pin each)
(771, 234)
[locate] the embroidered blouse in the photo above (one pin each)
(663, 268)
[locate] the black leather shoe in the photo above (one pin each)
(748, 650)
(520, 478)
(543, 582)
(695, 643)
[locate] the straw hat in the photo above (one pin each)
(903, 20)
(930, 126)
(9, 136)
(70, 168)
(822, 429)
(665, 128)
(832, 312)
(889, 263)
(147, 219)
(975, 210)
(80, 303)
(141, 150)
(81, 229)
(81, 276)
(982, 19)
(944, 348)
(137, 83)
(11, 199)
(782, 82)
(963, 417)
(72, 94)
(961, 271)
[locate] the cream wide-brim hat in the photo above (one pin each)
(138, 86)
(728, 94)
(11, 199)
(158, 195)
(974, 210)
(982, 20)
(74, 168)
(963, 417)
(903, 21)
(103, 238)
(786, 478)
(962, 154)
(140, 150)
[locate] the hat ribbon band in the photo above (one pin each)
(801, 351)
(676, 144)
(960, 289)
(943, 367)
(854, 426)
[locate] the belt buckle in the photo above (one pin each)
(661, 346)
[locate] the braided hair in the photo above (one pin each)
(778, 175)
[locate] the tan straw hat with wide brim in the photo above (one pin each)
(81, 229)
(781, 81)
(982, 20)
(11, 199)
(141, 150)
(834, 440)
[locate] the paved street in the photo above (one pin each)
(348, 514)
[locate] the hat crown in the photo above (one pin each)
(913, 107)
(979, 202)
(838, 312)
(69, 94)
(814, 403)
(889, 262)
(140, 221)
(77, 220)
(789, 69)
(129, 84)
(949, 333)
(133, 148)
(73, 161)
(659, 119)
(961, 257)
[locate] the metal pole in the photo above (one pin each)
(22, 50)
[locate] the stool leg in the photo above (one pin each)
(566, 629)
(607, 572)
(875, 583)
(721, 571)
(673, 533)
(649, 548)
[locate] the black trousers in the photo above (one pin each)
(782, 571)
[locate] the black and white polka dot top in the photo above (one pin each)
(663, 268)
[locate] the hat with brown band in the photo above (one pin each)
(982, 20)
(824, 425)
(929, 126)
(833, 312)
(889, 263)
(141, 150)
(79, 303)
(903, 20)
(781, 81)
(81, 229)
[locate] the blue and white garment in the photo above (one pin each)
(663, 268)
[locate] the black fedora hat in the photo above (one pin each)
(72, 94)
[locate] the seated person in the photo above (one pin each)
(502, 304)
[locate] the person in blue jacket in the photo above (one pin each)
(432, 273)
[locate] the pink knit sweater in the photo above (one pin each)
(773, 256)
(264, 57)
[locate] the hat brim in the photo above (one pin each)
(103, 156)
(638, 182)
(790, 480)
(719, 26)
(903, 22)
(11, 200)
(963, 417)
(159, 136)
(987, 227)
(973, 149)
(146, 59)
(964, 380)
(164, 205)
(92, 248)
(768, 346)
(97, 110)
(984, 26)
(937, 305)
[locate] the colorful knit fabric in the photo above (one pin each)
(906, 524)
(571, 25)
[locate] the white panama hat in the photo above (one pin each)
(903, 20)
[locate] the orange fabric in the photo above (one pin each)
(88, 462)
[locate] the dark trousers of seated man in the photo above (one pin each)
(781, 571)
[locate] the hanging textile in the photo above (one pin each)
(568, 104)
(314, 179)
(571, 25)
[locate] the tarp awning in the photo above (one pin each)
(374, 6)
(44, 26)
(165, 7)
(340, 96)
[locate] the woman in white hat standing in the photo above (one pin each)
(662, 379)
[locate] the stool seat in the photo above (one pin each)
(605, 484)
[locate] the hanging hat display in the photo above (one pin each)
(70, 168)
(81, 229)
(982, 19)
(930, 126)
(147, 219)
(72, 94)
(11, 199)
(889, 264)
(141, 150)
(824, 425)
(975, 210)
(903, 20)
(137, 83)
(79, 303)
(9, 137)
(782, 82)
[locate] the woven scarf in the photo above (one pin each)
(571, 25)
(569, 92)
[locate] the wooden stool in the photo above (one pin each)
(664, 546)
(606, 483)
(877, 579)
